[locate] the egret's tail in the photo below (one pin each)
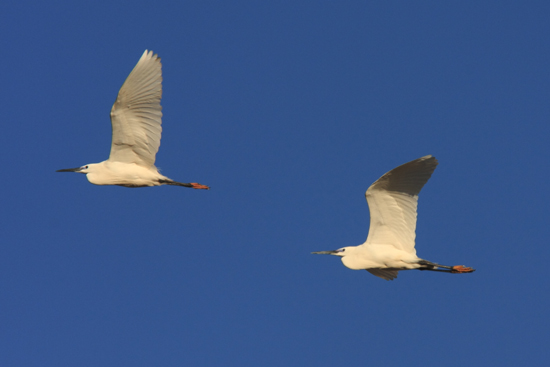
(192, 185)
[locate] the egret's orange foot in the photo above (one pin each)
(199, 186)
(461, 269)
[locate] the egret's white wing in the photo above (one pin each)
(136, 116)
(393, 199)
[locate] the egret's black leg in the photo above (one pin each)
(193, 185)
(428, 265)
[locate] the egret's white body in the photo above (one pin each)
(136, 120)
(389, 247)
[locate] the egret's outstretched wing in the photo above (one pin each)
(136, 116)
(393, 199)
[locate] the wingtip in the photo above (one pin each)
(427, 157)
(150, 54)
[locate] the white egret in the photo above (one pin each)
(389, 247)
(136, 119)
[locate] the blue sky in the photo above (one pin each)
(289, 110)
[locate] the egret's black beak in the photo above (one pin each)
(69, 169)
(325, 252)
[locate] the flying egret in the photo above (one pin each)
(136, 119)
(389, 247)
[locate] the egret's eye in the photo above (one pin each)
(342, 250)
(85, 167)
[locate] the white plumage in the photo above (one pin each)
(136, 115)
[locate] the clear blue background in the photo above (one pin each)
(289, 110)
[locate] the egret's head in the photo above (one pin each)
(83, 169)
(340, 252)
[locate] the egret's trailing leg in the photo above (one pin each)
(428, 265)
(193, 185)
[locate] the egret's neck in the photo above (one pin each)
(357, 257)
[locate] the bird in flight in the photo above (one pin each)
(136, 120)
(389, 247)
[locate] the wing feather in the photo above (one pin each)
(388, 274)
(393, 201)
(136, 116)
